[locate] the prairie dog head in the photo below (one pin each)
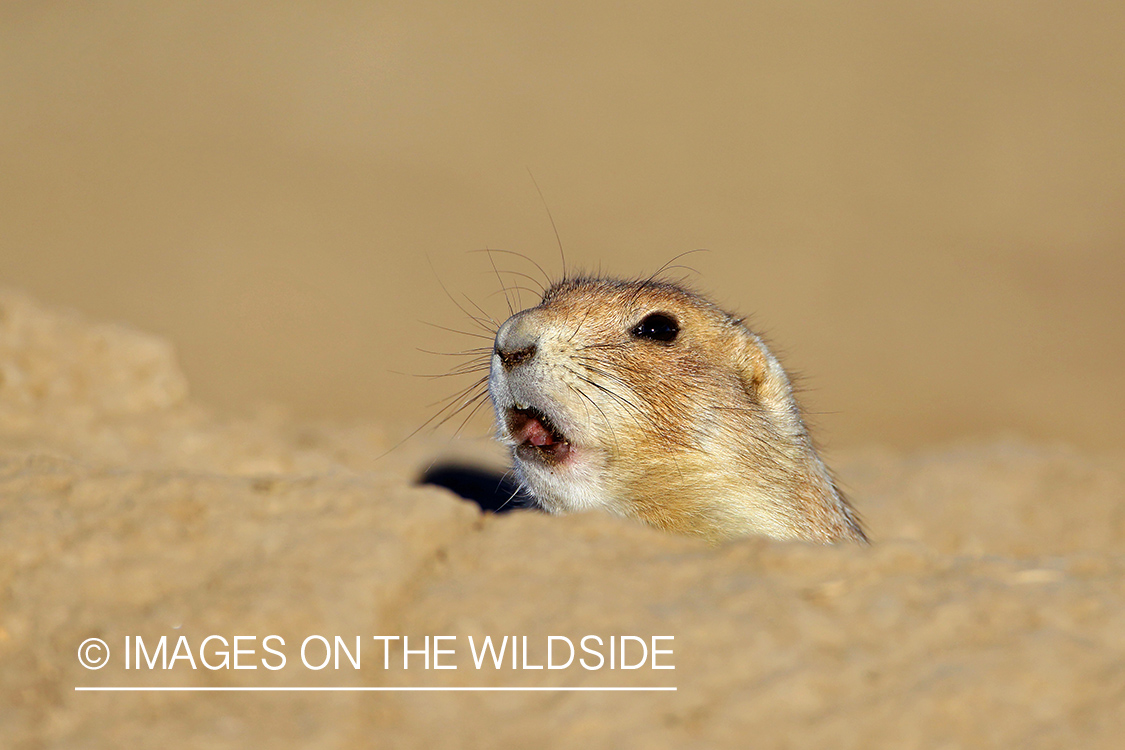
(645, 400)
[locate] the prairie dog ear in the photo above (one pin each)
(762, 376)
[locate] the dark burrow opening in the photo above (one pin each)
(492, 491)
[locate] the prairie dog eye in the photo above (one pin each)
(657, 326)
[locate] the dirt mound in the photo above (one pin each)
(987, 613)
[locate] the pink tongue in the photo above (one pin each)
(536, 435)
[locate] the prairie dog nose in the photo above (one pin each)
(516, 341)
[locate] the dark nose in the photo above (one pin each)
(517, 340)
(513, 358)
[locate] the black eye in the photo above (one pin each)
(658, 327)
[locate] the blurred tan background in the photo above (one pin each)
(921, 204)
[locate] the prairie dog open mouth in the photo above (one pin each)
(536, 436)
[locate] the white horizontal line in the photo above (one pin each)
(187, 689)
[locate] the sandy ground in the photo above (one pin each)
(989, 613)
(920, 205)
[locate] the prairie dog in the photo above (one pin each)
(645, 400)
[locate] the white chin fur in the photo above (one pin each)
(569, 488)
